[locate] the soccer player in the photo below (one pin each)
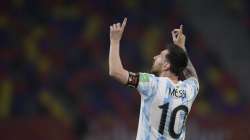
(165, 99)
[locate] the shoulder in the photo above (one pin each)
(145, 77)
(193, 82)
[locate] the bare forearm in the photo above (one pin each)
(114, 57)
(116, 69)
(115, 65)
(189, 71)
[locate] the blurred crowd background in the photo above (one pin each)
(54, 82)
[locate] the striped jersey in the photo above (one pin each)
(164, 107)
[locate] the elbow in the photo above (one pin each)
(111, 73)
(115, 73)
(121, 75)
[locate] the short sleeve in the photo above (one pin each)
(147, 84)
(193, 83)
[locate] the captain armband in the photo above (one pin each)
(133, 79)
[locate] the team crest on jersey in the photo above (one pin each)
(178, 93)
(144, 78)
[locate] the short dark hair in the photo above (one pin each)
(177, 58)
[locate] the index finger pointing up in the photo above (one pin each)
(124, 23)
(181, 28)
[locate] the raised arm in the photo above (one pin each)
(179, 39)
(116, 69)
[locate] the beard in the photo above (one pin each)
(155, 70)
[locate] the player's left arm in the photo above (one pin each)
(189, 73)
(179, 39)
(116, 68)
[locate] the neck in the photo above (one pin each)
(170, 75)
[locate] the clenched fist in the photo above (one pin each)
(116, 30)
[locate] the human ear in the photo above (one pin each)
(166, 66)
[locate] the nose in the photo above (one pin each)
(154, 57)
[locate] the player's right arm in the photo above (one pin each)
(179, 39)
(116, 69)
(141, 81)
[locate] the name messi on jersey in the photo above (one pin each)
(178, 93)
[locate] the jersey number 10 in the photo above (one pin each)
(171, 131)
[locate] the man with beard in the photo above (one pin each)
(166, 95)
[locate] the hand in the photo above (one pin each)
(116, 30)
(178, 37)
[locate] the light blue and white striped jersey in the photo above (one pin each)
(164, 107)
